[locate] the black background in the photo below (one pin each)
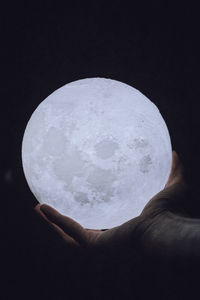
(153, 47)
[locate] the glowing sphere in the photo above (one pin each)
(96, 150)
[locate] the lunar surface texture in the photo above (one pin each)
(96, 150)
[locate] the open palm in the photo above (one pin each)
(161, 224)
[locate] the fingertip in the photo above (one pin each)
(51, 213)
(40, 209)
(45, 206)
(177, 170)
(175, 155)
(47, 209)
(37, 207)
(40, 213)
(175, 160)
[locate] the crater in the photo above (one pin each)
(82, 198)
(101, 180)
(140, 143)
(145, 163)
(106, 148)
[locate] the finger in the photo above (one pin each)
(70, 241)
(177, 170)
(68, 225)
(172, 198)
(96, 230)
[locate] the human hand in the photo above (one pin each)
(161, 229)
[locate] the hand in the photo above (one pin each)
(162, 228)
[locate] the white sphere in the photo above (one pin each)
(96, 150)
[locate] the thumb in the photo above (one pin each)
(68, 225)
(177, 171)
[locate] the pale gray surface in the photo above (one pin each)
(96, 150)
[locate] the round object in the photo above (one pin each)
(96, 150)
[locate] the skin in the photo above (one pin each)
(162, 229)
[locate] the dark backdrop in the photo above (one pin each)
(153, 47)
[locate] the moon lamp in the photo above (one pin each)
(96, 150)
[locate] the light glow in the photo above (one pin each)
(97, 150)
